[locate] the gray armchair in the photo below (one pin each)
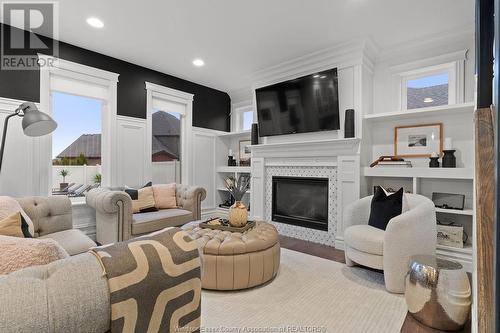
(52, 218)
(115, 220)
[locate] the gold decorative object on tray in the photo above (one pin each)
(238, 213)
(221, 224)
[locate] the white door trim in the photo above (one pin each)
(91, 75)
(178, 97)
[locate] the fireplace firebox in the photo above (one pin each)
(301, 201)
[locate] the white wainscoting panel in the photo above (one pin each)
(203, 167)
(18, 177)
(131, 154)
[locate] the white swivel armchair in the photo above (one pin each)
(411, 233)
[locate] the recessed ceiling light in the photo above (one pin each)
(322, 77)
(95, 22)
(428, 100)
(315, 76)
(198, 62)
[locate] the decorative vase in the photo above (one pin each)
(449, 159)
(434, 163)
(238, 214)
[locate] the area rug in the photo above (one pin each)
(309, 294)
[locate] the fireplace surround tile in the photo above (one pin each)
(313, 235)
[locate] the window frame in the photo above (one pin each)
(447, 68)
(238, 117)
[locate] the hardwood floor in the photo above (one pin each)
(410, 324)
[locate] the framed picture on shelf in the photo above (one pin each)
(418, 140)
(245, 153)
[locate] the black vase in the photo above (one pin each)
(449, 159)
(255, 134)
(349, 124)
(434, 163)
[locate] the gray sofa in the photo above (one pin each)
(116, 222)
(52, 218)
(66, 296)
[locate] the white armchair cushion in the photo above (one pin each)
(365, 238)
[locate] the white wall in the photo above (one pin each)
(385, 98)
(17, 176)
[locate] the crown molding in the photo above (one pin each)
(342, 55)
(462, 34)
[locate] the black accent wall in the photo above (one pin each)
(211, 107)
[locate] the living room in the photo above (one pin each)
(248, 166)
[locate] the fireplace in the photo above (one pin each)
(301, 201)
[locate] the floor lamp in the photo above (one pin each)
(35, 123)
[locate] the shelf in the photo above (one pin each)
(467, 249)
(226, 190)
(237, 169)
(419, 172)
(465, 108)
(469, 212)
(234, 134)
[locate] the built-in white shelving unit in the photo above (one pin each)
(420, 172)
(225, 142)
(444, 110)
(457, 121)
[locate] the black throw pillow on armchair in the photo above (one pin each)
(384, 207)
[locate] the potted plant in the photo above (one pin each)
(238, 213)
(63, 173)
(97, 178)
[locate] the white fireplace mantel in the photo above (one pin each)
(341, 154)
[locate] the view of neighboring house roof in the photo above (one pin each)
(166, 128)
(416, 96)
(87, 144)
(165, 124)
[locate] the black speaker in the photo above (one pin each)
(255, 134)
(349, 124)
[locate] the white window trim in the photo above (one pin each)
(178, 97)
(237, 115)
(87, 74)
(451, 63)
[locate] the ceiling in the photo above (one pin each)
(236, 38)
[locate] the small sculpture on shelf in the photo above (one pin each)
(230, 158)
(238, 213)
(434, 160)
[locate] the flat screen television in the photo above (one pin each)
(305, 104)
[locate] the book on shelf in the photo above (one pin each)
(398, 164)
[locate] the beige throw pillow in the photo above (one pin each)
(9, 206)
(165, 196)
(142, 200)
(18, 253)
(11, 226)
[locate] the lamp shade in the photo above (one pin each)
(37, 123)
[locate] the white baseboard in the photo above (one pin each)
(339, 243)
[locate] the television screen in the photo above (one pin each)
(305, 104)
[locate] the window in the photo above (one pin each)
(247, 120)
(76, 144)
(430, 87)
(426, 91)
(242, 118)
(166, 146)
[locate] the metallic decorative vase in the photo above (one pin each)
(238, 214)
(438, 293)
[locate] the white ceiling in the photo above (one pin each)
(238, 37)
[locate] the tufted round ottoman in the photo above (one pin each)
(232, 260)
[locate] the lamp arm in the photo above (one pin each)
(4, 135)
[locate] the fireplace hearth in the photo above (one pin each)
(300, 201)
